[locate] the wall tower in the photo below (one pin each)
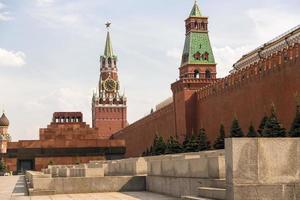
(197, 69)
(109, 110)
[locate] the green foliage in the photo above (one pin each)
(219, 143)
(295, 127)
(203, 143)
(173, 146)
(190, 143)
(262, 125)
(252, 132)
(159, 146)
(235, 130)
(3, 167)
(272, 127)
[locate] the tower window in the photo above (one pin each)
(207, 74)
(196, 74)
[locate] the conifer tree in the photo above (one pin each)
(203, 143)
(235, 130)
(295, 127)
(173, 146)
(262, 125)
(3, 167)
(159, 146)
(190, 144)
(252, 132)
(272, 127)
(219, 143)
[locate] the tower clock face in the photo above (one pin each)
(110, 85)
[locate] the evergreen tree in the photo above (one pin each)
(3, 167)
(159, 146)
(173, 146)
(262, 125)
(235, 130)
(190, 143)
(220, 141)
(272, 127)
(252, 132)
(203, 143)
(295, 127)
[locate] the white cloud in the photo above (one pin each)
(227, 56)
(4, 15)
(43, 3)
(11, 58)
(271, 22)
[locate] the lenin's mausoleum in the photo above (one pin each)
(268, 75)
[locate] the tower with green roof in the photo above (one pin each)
(197, 69)
(197, 58)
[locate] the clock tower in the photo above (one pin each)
(109, 110)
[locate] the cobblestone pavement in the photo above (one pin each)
(13, 188)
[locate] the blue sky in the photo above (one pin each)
(49, 50)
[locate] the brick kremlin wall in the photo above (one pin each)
(250, 92)
(247, 93)
(140, 135)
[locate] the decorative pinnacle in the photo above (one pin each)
(108, 52)
(107, 25)
(195, 12)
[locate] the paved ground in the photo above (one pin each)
(13, 188)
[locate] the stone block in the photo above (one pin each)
(198, 167)
(264, 168)
(216, 167)
(94, 172)
(155, 168)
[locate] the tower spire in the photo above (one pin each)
(108, 51)
(195, 12)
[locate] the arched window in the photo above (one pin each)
(196, 74)
(207, 74)
(109, 61)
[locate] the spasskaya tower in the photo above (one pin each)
(109, 110)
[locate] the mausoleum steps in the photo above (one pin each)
(213, 193)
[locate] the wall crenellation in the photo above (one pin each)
(255, 71)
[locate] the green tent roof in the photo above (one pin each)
(197, 49)
(195, 12)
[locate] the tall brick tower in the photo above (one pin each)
(198, 69)
(109, 110)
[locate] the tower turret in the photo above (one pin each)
(197, 69)
(4, 135)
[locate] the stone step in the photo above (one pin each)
(33, 192)
(193, 198)
(214, 183)
(213, 193)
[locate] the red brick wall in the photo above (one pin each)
(110, 120)
(140, 135)
(250, 93)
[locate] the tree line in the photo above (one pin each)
(269, 126)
